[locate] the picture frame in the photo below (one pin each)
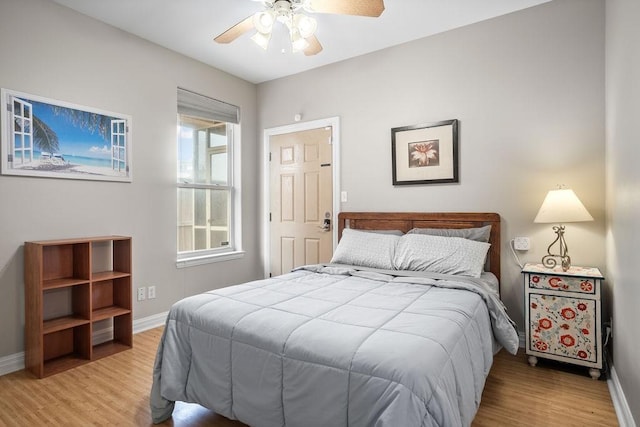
(425, 154)
(48, 138)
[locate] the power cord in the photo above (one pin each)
(606, 358)
(515, 255)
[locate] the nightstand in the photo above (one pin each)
(563, 315)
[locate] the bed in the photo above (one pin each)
(390, 333)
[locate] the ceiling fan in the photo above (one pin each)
(301, 26)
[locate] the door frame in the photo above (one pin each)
(334, 122)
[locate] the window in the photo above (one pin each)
(208, 210)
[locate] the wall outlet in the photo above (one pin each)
(343, 196)
(522, 243)
(152, 292)
(142, 292)
(611, 326)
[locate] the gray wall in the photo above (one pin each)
(528, 91)
(623, 190)
(51, 51)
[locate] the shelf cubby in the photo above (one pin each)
(62, 323)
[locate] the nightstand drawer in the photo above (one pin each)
(562, 283)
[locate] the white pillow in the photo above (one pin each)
(446, 255)
(480, 234)
(366, 249)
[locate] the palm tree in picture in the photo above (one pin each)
(47, 140)
(91, 122)
(44, 137)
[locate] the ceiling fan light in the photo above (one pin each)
(262, 39)
(298, 43)
(306, 25)
(263, 21)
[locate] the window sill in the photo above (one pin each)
(208, 259)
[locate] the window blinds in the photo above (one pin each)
(195, 105)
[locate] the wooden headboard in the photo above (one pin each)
(405, 221)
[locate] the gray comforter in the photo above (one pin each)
(333, 346)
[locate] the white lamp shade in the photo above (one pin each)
(298, 43)
(262, 39)
(561, 206)
(263, 21)
(306, 25)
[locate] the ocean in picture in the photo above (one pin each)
(77, 160)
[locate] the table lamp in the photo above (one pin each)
(560, 206)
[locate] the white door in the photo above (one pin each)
(301, 199)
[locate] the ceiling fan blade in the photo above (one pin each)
(236, 31)
(314, 46)
(372, 8)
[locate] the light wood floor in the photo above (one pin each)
(115, 390)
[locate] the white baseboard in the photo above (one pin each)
(12, 363)
(15, 362)
(149, 322)
(625, 418)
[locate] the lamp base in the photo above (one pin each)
(549, 260)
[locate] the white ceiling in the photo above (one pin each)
(189, 26)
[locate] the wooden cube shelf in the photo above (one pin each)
(65, 341)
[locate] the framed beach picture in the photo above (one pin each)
(55, 139)
(425, 154)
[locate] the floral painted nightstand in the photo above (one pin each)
(562, 315)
